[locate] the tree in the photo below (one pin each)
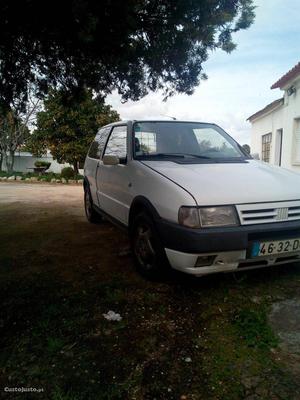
(68, 124)
(130, 45)
(14, 130)
(12, 134)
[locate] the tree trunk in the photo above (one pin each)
(1, 160)
(5, 160)
(75, 166)
(10, 162)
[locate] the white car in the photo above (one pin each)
(192, 198)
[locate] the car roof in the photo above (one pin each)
(122, 122)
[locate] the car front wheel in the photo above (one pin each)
(148, 253)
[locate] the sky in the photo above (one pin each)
(239, 83)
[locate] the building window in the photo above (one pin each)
(266, 146)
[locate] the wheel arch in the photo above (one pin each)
(139, 204)
(86, 183)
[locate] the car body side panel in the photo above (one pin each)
(112, 185)
(113, 190)
(165, 196)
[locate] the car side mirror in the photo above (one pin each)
(111, 160)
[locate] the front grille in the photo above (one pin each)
(262, 213)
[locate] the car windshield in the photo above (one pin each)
(186, 141)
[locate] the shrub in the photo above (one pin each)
(68, 173)
(42, 164)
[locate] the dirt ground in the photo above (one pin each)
(41, 194)
(228, 337)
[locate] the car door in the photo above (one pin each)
(92, 160)
(112, 180)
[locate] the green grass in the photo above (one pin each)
(252, 326)
(63, 339)
(54, 344)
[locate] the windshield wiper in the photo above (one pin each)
(169, 155)
(176, 155)
(196, 156)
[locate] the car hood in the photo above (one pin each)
(231, 183)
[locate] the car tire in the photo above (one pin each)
(91, 215)
(147, 250)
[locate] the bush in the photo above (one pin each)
(42, 164)
(68, 173)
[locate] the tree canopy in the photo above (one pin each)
(68, 124)
(130, 45)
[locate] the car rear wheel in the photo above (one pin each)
(148, 253)
(91, 215)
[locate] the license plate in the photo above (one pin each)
(261, 249)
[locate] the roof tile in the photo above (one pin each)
(264, 110)
(291, 74)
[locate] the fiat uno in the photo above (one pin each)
(191, 198)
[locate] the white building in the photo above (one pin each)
(275, 133)
(24, 162)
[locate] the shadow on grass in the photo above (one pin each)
(54, 336)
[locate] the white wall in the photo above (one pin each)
(292, 111)
(262, 126)
(24, 161)
(280, 118)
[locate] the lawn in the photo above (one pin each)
(180, 338)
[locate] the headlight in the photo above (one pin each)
(218, 216)
(189, 216)
(206, 217)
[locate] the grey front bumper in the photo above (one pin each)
(227, 261)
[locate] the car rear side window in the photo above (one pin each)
(98, 144)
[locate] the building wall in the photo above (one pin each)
(25, 161)
(270, 123)
(292, 112)
(281, 118)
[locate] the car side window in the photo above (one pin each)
(117, 142)
(98, 144)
